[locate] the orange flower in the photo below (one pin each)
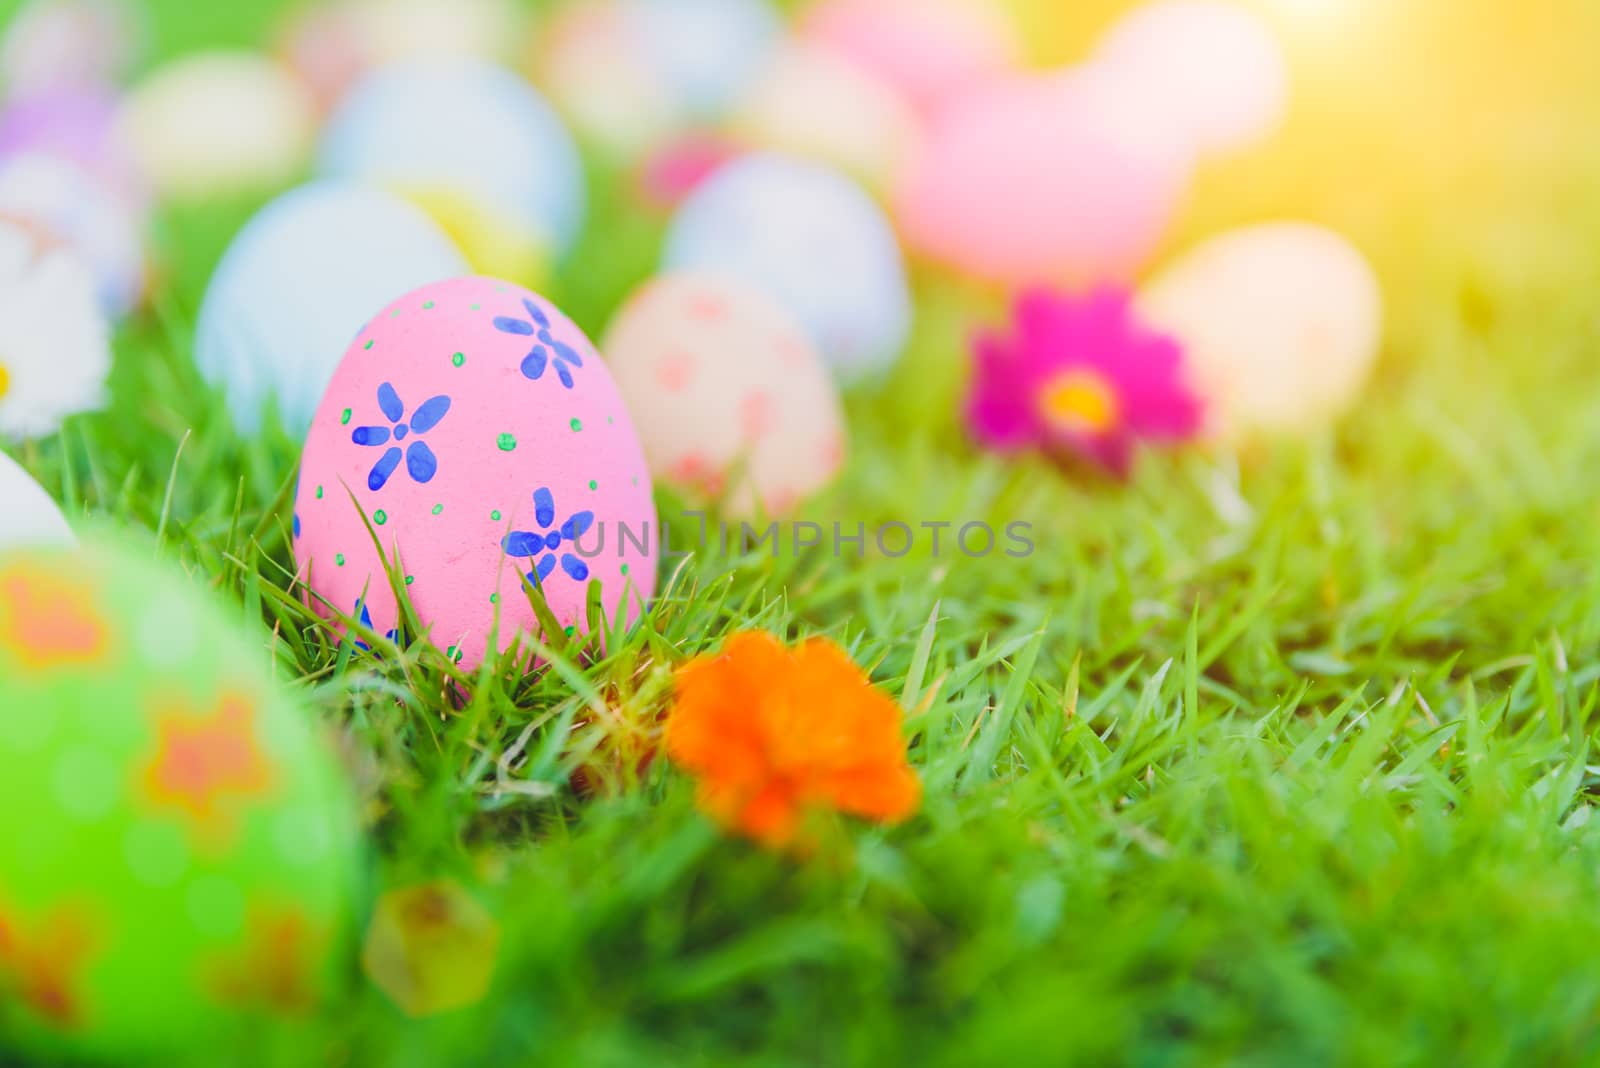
(773, 734)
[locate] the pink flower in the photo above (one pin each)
(679, 168)
(1080, 376)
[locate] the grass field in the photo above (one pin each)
(1279, 758)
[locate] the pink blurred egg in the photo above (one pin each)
(1034, 180)
(731, 398)
(485, 441)
(928, 49)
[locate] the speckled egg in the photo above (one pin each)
(1280, 325)
(478, 431)
(633, 74)
(814, 241)
(179, 844)
(183, 123)
(297, 283)
(474, 145)
(926, 49)
(28, 515)
(731, 399)
(1034, 181)
(102, 227)
(1219, 70)
(812, 102)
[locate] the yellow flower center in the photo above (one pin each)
(1079, 402)
(5, 381)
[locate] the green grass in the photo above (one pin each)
(1280, 758)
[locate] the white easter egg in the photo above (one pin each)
(473, 143)
(731, 399)
(812, 102)
(297, 283)
(1219, 70)
(1280, 325)
(28, 515)
(217, 124)
(813, 240)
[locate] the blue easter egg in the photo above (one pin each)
(707, 52)
(466, 128)
(815, 242)
(298, 282)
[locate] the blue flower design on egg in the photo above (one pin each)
(547, 541)
(421, 463)
(546, 350)
(364, 616)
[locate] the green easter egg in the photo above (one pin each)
(178, 844)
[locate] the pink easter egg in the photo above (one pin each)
(928, 49)
(1033, 180)
(478, 431)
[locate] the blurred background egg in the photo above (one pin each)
(633, 74)
(1280, 325)
(68, 44)
(925, 49)
(706, 52)
(1221, 73)
(1033, 180)
(482, 437)
(180, 847)
(730, 397)
(811, 102)
(297, 283)
(811, 239)
(102, 227)
(474, 145)
(218, 124)
(76, 125)
(28, 515)
(330, 45)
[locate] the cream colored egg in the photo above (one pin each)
(813, 102)
(401, 29)
(730, 398)
(1280, 323)
(217, 124)
(28, 515)
(593, 67)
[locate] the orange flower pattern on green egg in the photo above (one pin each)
(49, 621)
